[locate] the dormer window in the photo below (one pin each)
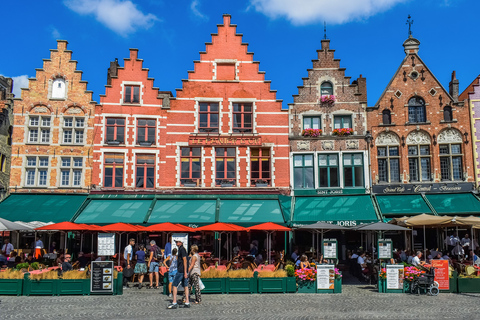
(326, 89)
(131, 94)
(58, 88)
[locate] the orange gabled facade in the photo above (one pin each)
(226, 127)
(129, 122)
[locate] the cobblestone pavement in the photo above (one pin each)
(356, 302)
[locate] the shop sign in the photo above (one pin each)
(101, 280)
(224, 141)
(423, 188)
(441, 273)
(384, 249)
(329, 248)
(395, 276)
(325, 276)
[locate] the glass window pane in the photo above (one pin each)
(337, 122)
(315, 123)
(413, 168)
(456, 149)
(214, 120)
(425, 169)
(231, 152)
(457, 168)
(136, 94)
(65, 162)
(347, 122)
(68, 122)
(128, 93)
(412, 150)
(444, 149)
(151, 134)
(31, 161)
(77, 177)
(347, 160)
(381, 151)
(203, 106)
(308, 160)
(309, 178)
(43, 162)
(79, 123)
(382, 170)
(348, 176)
(118, 177)
(359, 179)
(150, 177)
(323, 177)
(424, 150)
(322, 160)
(394, 170)
(214, 107)
(298, 161)
(334, 181)
(298, 178)
(185, 152)
(357, 159)
(307, 123)
(237, 107)
(247, 107)
(393, 151)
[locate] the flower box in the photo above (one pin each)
(39, 287)
(342, 132)
(214, 285)
(338, 286)
(468, 285)
(73, 286)
(381, 285)
(118, 284)
(314, 133)
(11, 287)
(328, 99)
(279, 285)
(241, 285)
(307, 286)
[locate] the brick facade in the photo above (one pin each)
(53, 129)
(420, 131)
(471, 97)
(343, 106)
(6, 128)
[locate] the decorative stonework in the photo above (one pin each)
(328, 145)
(351, 144)
(387, 138)
(303, 145)
(74, 111)
(450, 136)
(418, 137)
(40, 110)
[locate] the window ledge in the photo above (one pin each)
(72, 144)
(453, 121)
(417, 123)
(135, 104)
(386, 125)
(57, 99)
(38, 143)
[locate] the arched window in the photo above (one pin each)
(419, 156)
(326, 89)
(386, 117)
(58, 88)
(416, 110)
(447, 114)
(388, 156)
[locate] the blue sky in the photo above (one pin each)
(284, 35)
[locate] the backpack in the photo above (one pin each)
(157, 253)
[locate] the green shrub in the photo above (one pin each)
(290, 270)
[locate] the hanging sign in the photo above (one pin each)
(385, 249)
(101, 280)
(180, 236)
(395, 276)
(442, 273)
(329, 248)
(325, 276)
(106, 244)
(224, 141)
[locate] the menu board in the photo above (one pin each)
(325, 276)
(101, 280)
(180, 236)
(384, 249)
(106, 244)
(330, 248)
(395, 276)
(442, 273)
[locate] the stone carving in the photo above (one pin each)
(351, 144)
(387, 138)
(74, 111)
(418, 137)
(328, 145)
(40, 110)
(303, 145)
(450, 136)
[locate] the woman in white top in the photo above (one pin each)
(194, 272)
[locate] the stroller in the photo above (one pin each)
(425, 282)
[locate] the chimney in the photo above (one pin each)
(362, 88)
(112, 71)
(453, 86)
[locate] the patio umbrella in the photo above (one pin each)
(120, 227)
(270, 228)
(221, 227)
(63, 226)
(167, 227)
(427, 220)
(321, 228)
(380, 226)
(6, 225)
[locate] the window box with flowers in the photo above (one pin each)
(259, 183)
(342, 132)
(314, 133)
(306, 280)
(328, 99)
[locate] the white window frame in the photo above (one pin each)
(36, 168)
(42, 129)
(72, 169)
(74, 129)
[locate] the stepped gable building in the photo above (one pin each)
(226, 127)
(6, 129)
(53, 129)
(328, 128)
(471, 97)
(129, 124)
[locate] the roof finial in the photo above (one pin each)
(409, 22)
(325, 30)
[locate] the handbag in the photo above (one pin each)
(200, 284)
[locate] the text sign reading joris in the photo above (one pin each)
(224, 141)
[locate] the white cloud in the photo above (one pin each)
(122, 17)
(18, 83)
(55, 33)
(194, 7)
(302, 12)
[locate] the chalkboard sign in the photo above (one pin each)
(102, 277)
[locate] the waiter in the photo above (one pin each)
(38, 248)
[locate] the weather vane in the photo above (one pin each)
(409, 22)
(325, 30)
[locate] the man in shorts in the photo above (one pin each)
(153, 264)
(180, 277)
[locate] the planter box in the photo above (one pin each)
(291, 285)
(214, 285)
(307, 286)
(381, 285)
(118, 284)
(241, 285)
(73, 286)
(453, 283)
(40, 287)
(468, 285)
(338, 286)
(278, 285)
(11, 287)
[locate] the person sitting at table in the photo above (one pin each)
(259, 258)
(53, 247)
(410, 257)
(59, 259)
(416, 260)
(7, 247)
(295, 255)
(30, 259)
(237, 249)
(253, 248)
(82, 260)
(361, 262)
(321, 260)
(66, 265)
(304, 262)
(475, 258)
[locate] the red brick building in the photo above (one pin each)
(421, 131)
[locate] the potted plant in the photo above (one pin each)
(315, 133)
(190, 183)
(306, 280)
(328, 99)
(259, 183)
(113, 142)
(382, 277)
(146, 143)
(11, 282)
(226, 183)
(343, 132)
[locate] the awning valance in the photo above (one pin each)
(106, 211)
(402, 205)
(455, 203)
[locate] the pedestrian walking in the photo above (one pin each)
(153, 263)
(171, 263)
(194, 272)
(127, 255)
(140, 267)
(180, 277)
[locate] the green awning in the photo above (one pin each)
(197, 212)
(402, 205)
(250, 212)
(45, 208)
(99, 211)
(455, 203)
(343, 210)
